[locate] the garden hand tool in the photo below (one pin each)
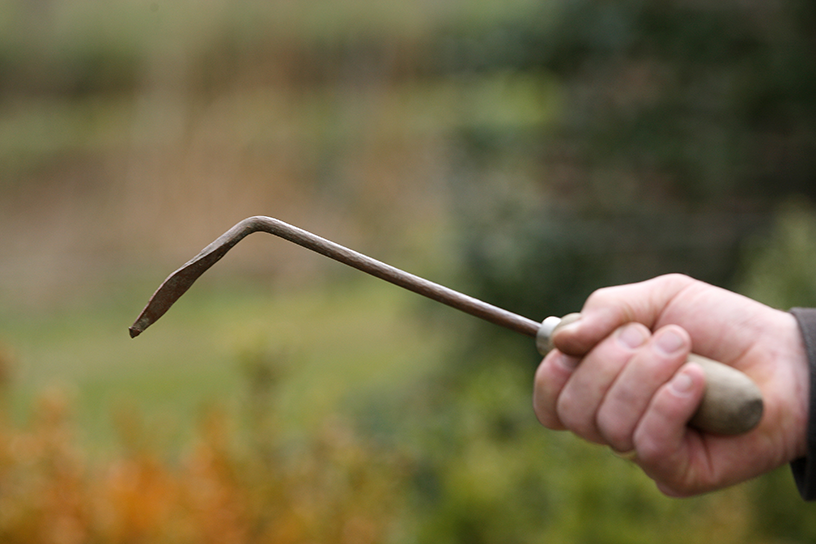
(732, 403)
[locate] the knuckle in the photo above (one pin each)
(675, 492)
(601, 297)
(615, 430)
(549, 420)
(544, 398)
(544, 385)
(564, 408)
(541, 408)
(573, 416)
(540, 379)
(651, 452)
(676, 278)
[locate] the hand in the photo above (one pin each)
(619, 377)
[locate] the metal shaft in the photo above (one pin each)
(179, 281)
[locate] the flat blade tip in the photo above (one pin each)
(139, 326)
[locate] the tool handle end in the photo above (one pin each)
(732, 403)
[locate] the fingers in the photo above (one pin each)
(605, 397)
(550, 378)
(584, 394)
(565, 389)
(629, 396)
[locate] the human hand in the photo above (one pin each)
(619, 377)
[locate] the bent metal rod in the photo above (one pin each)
(179, 281)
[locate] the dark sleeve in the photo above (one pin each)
(804, 469)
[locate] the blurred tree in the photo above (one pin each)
(779, 267)
(680, 127)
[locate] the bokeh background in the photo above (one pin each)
(526, 152)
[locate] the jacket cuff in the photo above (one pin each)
(804, 469)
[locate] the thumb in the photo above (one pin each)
(607, 309)
(579, 333)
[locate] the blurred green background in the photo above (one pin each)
(526, 152)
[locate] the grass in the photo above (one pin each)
(334, 345)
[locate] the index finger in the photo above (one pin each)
(550, 378)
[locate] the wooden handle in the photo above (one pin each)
(731, 405)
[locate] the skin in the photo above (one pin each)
(619, 377)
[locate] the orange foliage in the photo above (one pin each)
(335, 489)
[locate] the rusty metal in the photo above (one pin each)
(179, 281)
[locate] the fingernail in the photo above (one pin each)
(567, 361)
(681, 384)
(569, 322)
(631, 336)
(669, 341)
